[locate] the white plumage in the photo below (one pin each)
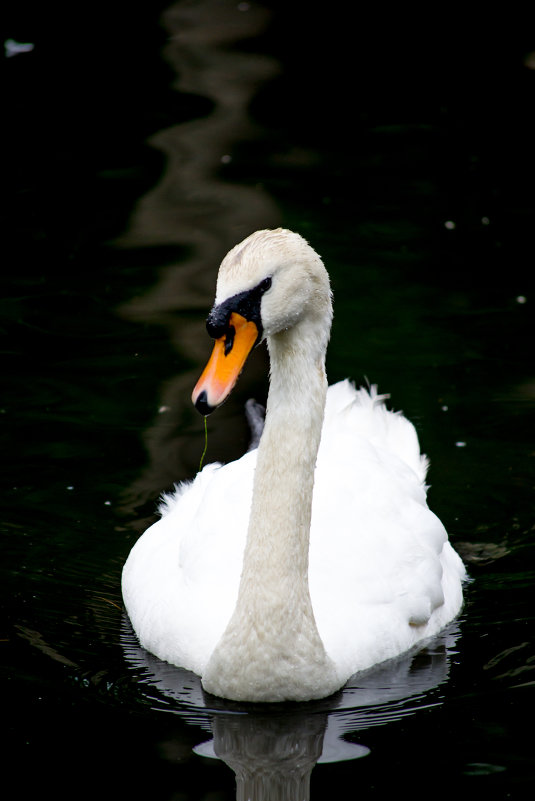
(382, 575)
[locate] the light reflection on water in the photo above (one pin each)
(193, 207)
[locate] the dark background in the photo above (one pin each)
(379, 128)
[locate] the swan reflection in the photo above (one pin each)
(273, 748)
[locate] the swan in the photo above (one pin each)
(314, 556)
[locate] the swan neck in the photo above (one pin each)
(284, 477)
(271, 649)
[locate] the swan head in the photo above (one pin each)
(270, 284)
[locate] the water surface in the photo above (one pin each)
(142, 147)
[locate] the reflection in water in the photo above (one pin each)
(270, 759)
(272, 749)
(192, 209)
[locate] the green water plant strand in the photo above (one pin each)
(205, 443)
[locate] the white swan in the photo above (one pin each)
(278, 576)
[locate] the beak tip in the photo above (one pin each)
(202, 405)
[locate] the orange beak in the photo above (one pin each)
(225, 364)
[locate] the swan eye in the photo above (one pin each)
(265, 284)
(229, 339)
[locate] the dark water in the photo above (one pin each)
(141, 145)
